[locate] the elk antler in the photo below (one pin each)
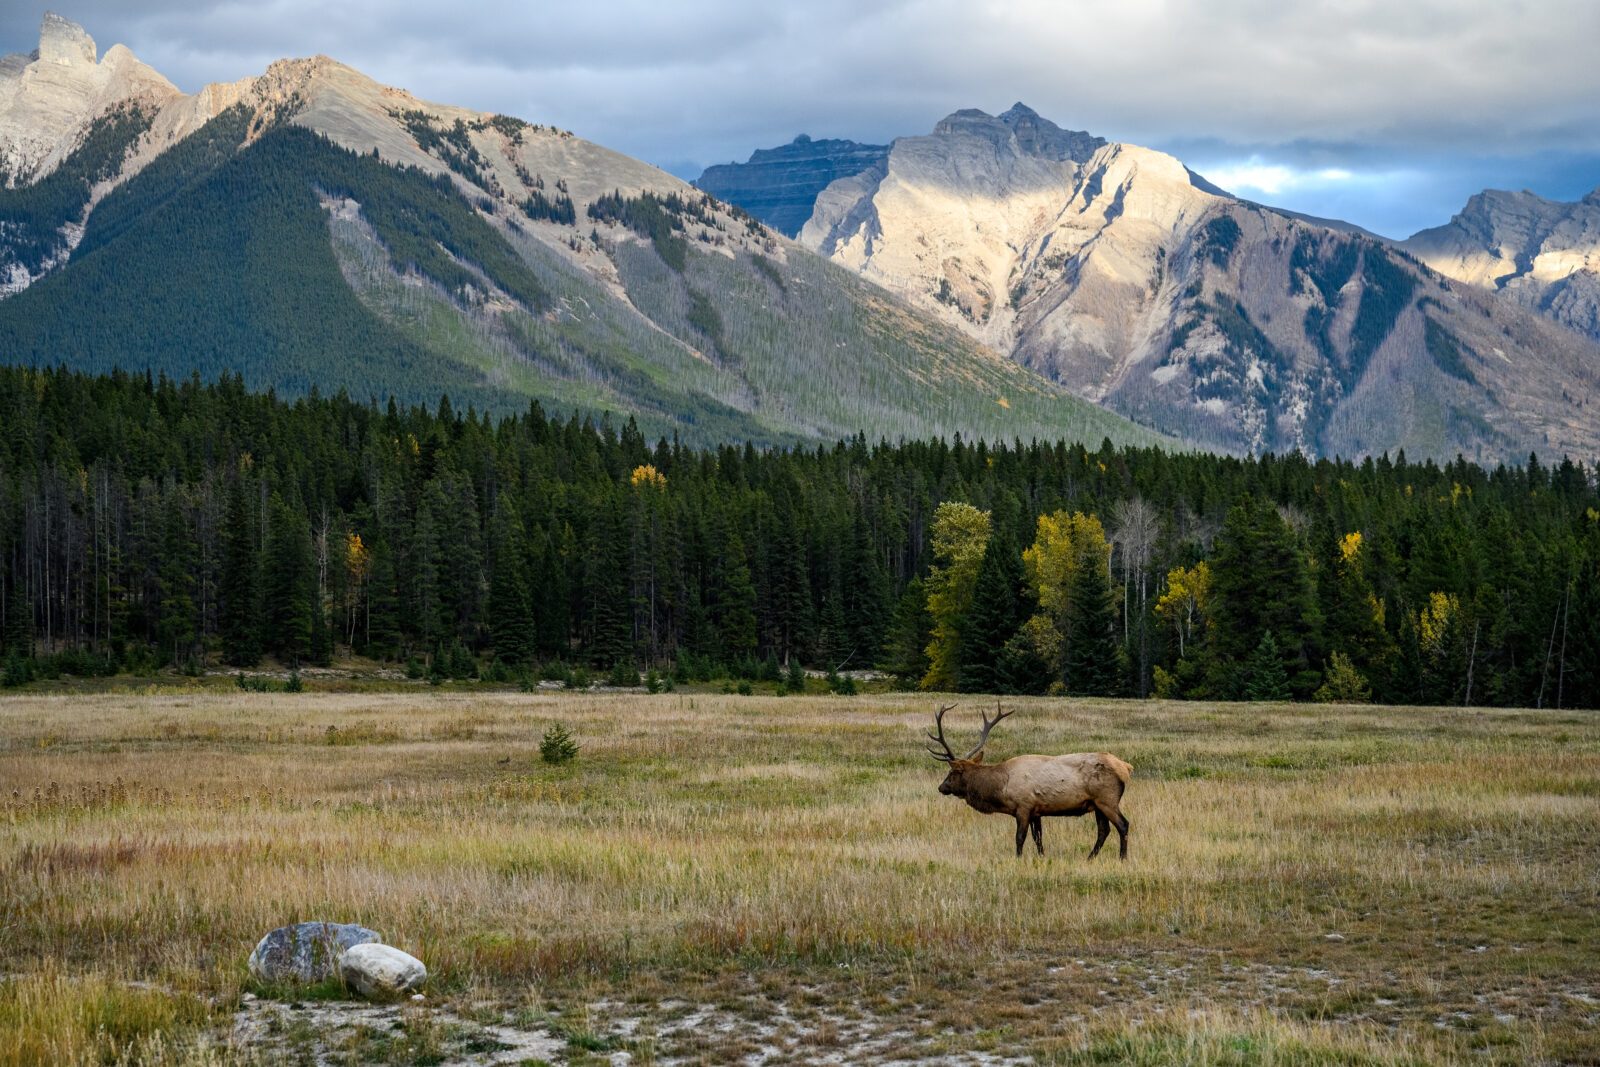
(988, 724)
(946, 756)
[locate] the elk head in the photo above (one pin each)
(955, 783)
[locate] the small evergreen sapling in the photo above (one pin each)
(557, 745)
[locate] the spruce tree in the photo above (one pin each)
(383, 604)
(176, 628)
(290, 584)
(240, 608)
(1264, 676)
(1260, 583)
(905, 649)
(735, 607)
(511, 624)
(992, 619)
(867, 599)
(1093, 660)
(16, 637)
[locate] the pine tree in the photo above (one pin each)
(992, 619)
(609, 609)
(1260, 583)
(735, 607)
(905, 649)
(1264, 676)
(176, 630)
(17, 634)
(290, 584)
(867, 599)
(383, 604)
(240, 607)
(1094, 664)
(511, 624)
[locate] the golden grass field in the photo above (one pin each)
(723, 879)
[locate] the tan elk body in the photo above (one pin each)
(1030, 787)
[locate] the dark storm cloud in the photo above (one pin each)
(1382, 109)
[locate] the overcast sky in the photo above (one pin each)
(1388, 113)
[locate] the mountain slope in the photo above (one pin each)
(1116, 271)
(311, 228)
(1542, 254)
(779, 186)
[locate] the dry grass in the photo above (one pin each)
(1353, 885)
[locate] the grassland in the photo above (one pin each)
(722, 879)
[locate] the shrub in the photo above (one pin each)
(796, 679)
(557, 745)
(1343, 683)
(294, 685)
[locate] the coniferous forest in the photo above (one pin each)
(149, 525)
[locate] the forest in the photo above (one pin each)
(148, 524)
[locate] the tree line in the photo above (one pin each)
(147, 523)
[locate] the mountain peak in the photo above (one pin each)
(65, 43)
(1035, 134)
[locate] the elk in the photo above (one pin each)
(1030, 787)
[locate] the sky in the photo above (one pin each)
(1386, 113)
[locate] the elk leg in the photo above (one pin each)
(1103, 825)
(1118, 820)
(1022, 832)
(1038, 832)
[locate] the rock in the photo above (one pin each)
(381, 972)
(65, 43)
(1542, 254)
(306, 952)
(779, 186)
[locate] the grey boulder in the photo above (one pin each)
(306, 952)
(381, 972)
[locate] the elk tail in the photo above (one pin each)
(1121, 769)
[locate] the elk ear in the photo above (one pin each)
(977, 757)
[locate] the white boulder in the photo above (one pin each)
(381, 972)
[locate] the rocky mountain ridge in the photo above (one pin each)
(779, 185)
(1118, 272)
(309, 227)
(1542, 254)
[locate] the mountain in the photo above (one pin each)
(1118, 272)
(309, 228)
(1542, 254)
(779, 186)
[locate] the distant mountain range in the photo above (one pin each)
(310, 228)
(1120, 273)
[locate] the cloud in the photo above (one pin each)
(709, 80)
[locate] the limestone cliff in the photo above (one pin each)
(779, 186)
(1118, 272)
(1543, 254)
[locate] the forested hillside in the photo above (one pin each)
(258, 247)
(146, 522)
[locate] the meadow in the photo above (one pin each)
(729, 879)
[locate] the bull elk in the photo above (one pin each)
(1030, 787)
